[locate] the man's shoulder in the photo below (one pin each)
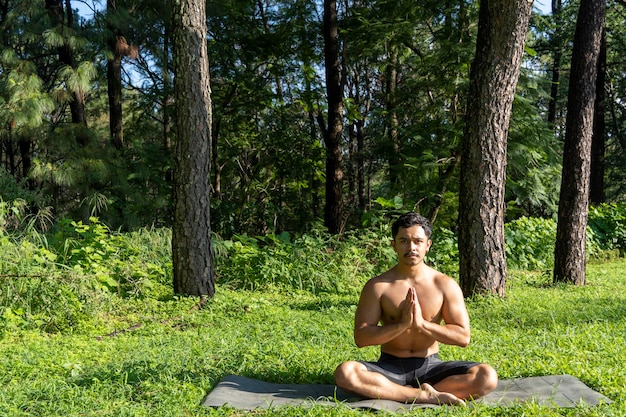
(444, 282)
(381, 281)
(383, 278)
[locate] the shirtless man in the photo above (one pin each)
(408, 311)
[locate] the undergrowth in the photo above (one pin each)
(89, 324)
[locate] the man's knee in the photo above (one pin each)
(344, 374)
(486, 379)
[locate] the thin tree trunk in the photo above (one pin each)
(557, 48)
(114, 77)
(57, 15)
(25, 154)
(360, 163)
(571, 233)
(191, 232)
(391, 84)
(494, 73)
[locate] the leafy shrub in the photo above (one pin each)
(313, 262)
(12, 189)
(59, 287)
(608, 225)
(35, 294)
(137, 263)
(444, 253)
(530, 243)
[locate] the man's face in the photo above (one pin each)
(411, 245)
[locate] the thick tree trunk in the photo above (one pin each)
(571, 234)
(333, 210)
(502, 29)
(191, 232)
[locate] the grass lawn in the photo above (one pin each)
(160, 358)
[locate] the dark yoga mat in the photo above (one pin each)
(248, 394)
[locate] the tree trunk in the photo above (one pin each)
(57, 13)
(168, 100)
(25, 146)
(333, 210)
(557, 48)
(191, 232)
(360, 163)
(494, 73)
(393, 159)
(598, 140)
(571, 233)
(114, 78)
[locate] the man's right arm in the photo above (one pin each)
(367, 332)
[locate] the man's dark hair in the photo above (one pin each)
(411, 219)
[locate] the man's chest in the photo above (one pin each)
(430, 301)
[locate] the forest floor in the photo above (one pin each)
(146, 357)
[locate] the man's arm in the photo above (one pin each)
(367, 332)
(456, 330)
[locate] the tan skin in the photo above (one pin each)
(408, 311)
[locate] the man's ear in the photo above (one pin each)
(430, 243)
(393, 243)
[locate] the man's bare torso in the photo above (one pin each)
(392, 292)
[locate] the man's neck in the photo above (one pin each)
(411, 271)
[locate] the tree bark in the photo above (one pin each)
(391, 84)
(494, 73)
(598, 140)
(571, 233)
(191, 232)
(333, 210)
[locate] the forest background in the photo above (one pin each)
(404, 73)
(87, 308)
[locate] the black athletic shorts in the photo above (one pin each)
(416, 371)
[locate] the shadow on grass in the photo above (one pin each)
(324, 303)
(136, 373)
(295, 374)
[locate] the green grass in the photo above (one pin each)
(148, 357)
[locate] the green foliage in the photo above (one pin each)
(116, 261)
(160, 358)
(34, 294)
(12, 189)
(313, 262)
(57, 286)
(530, 243)
(608, 223)
(444, 252)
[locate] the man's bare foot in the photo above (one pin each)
(429, 395)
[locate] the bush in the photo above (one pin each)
(530, 243)
(60, 286)
(608, 225)
(314, 262)
(36, 294)
(131, 264)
